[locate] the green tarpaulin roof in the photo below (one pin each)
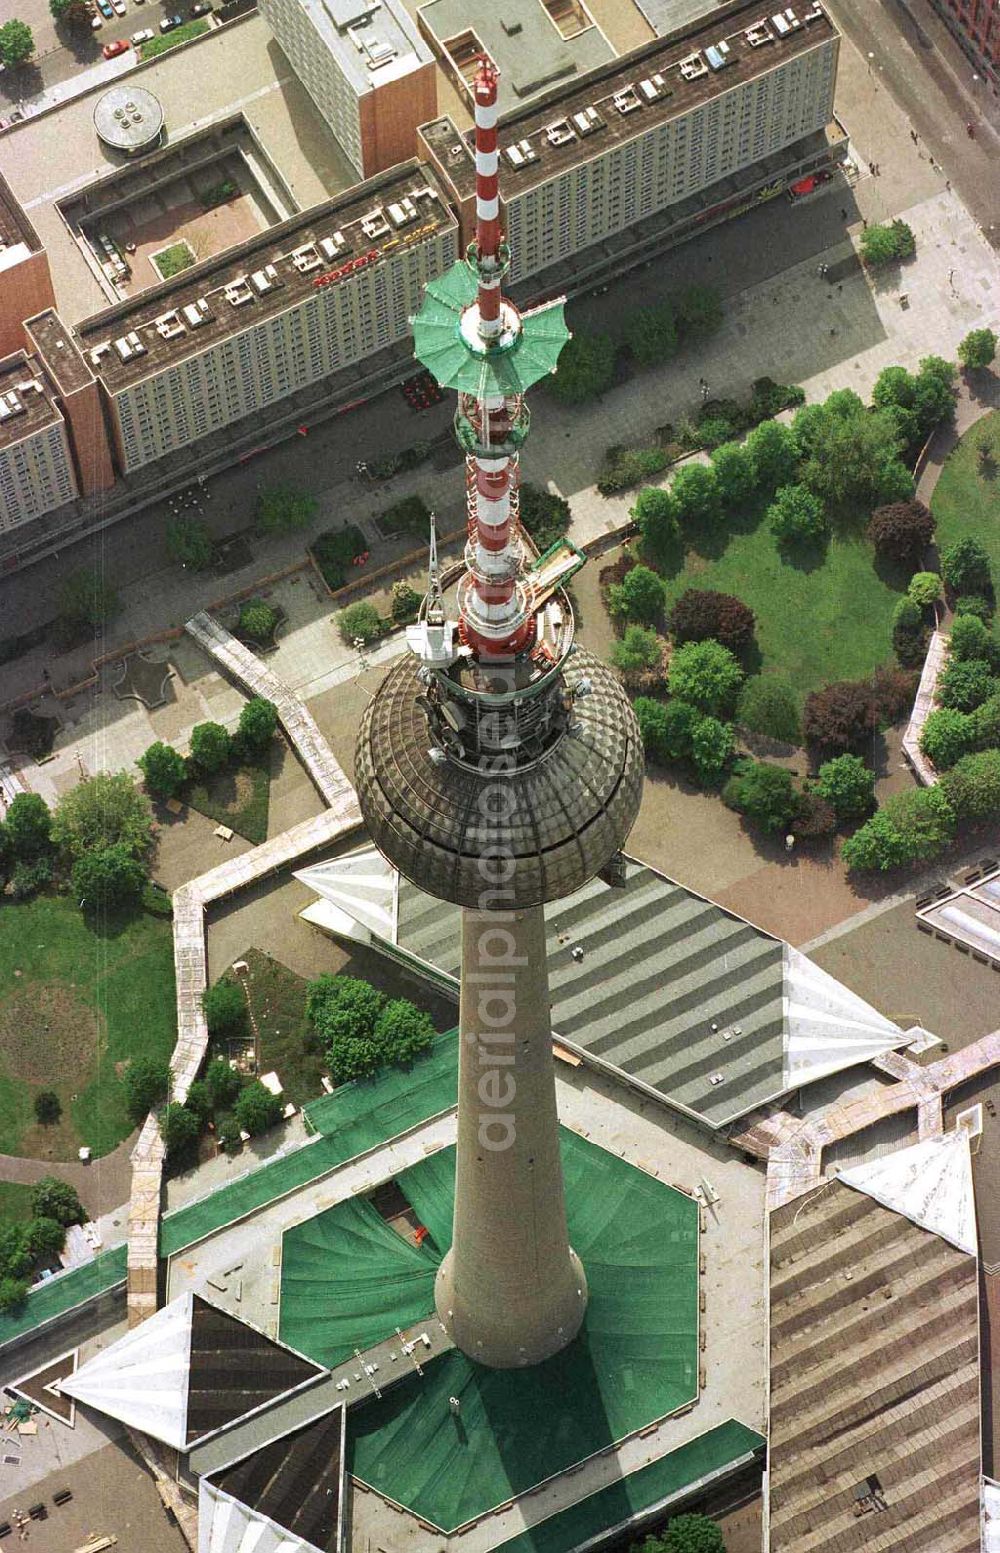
(439, 346)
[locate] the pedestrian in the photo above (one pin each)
(843, 214)
(864, 224)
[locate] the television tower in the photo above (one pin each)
(499, 766)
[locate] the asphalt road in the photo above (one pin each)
(935, 84)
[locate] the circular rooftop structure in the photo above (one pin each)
(129, 119)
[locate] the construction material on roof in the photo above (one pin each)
(283, 1497)
(349, 1279)
(650, 981)
(874, 1381)
(930, 1183)
(991, 1516)
(186, 1371)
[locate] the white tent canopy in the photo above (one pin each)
(226, 1526)
(827, 1026)
(142, 1380)
(929, 1183)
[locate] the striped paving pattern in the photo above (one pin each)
(660, 966)
(874, 1368)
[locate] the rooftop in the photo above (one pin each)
(60, 351)
(15, 228)
(373, 41)
(128, 117)
(530, 48)
(666, 16)
(264, 275)
(658, 81)
(26, 402)
(874, 1380)
(293, 1481)
(233, 69)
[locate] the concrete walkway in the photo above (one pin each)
(103, 1185)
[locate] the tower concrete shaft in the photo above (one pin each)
(511, 1291)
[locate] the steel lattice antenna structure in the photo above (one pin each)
(500, 767)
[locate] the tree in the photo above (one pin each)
(104, 811)
(847, 784)
(55, 1199)
(978, 348)
(966, 684)
(28, 828)
(972, 786)
(909, 633)
(687, 1534)
(189, 541)
(911, 827)
(796, 517)
(13, 1291)
(256, 1109)
(86, 600)
(947, 735)
(353, 1057)
(257, 620)
(701, 613)
(924, 589)
(17, 44)
(640, 651)
(76, 12)
(48, 1107)
(651, 334)
(970, 639)
(222, 1082)
(163, 770)
(403, 1031)
(225, 1008)
(885, 243)
(986, 724)
(107, 877)
(841, 717)
(769, 705)
(258, 723)
(706, 674)
(699, 312)
(405, 604)
(695, 491)
(28, 878)
(667, 728)
(586, 368)
(934, 393)
(638, 597)
(146, 1081)
(773, 453)
(15, 1252)
(281, 509)
(965, 567)
(180, 1130)
(975, 604)
(545, 515)
(46, 1238)
(655, 512)
(901, 531)
(850, 455)
(343, 1008)
(763, 793)
(359, 622)
(211, 747)
(712, 746)
(734, 474)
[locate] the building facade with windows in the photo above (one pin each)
(246, 330)
(25, 278)
(664, 124)
(976, 24)
(367, 69)
(36, 464)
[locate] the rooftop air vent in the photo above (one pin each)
(521, 154)
(196, 313)
(306, 258)
(264, 280)
(759, 33)
(99, 352)
(331, 246)
(10, 405)
(559, 132)
(627, 99)
(652, 88)
(239, 292)
(375, 224)
(693, 66)
(402, 212)
(586, 122)
(169, 325)
(718, 55)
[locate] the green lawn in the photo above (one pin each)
(15, 1201)
(171, 261)
(279, 1004)
(170, 40)
(829, 623)
(238, 796)
(75, 1006)
(966, 502)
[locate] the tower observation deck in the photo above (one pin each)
(499, 766)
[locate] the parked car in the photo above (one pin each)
(119, 46)
(168, 23)
(142, 36)
(104, 6)
(200, 8)
(96, 22)
(119, 7)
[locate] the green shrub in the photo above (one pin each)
(986, 724)
(909, 632)
(46, 1238)
(667, 729)
(768, 398)
(625, 467)
(586, 368)
(180, 1130)
(965, 567)
(947, 736)
(163, 770)
(28, 878)
(402, 1031)
(108, 877)
(258, 723)
(763, 793)
(543, 514)
(282, 510)
(734, 475)
(28, 826)
(359, 622)
(972, 786)
(335, 551)
(638, 597)
(970, 639)
(199, 1101)
(228, 1134)
(655, 512)
(978, 348)
(211, 747)
(773, 453)
(639, 651)
(87, 601)
(975, 604)
(405, 604)
(695, 491)
(924, 589)
(189, 543)
(256, 1109)
(222, 1082)
(888, 242)
(910, 827)
(768, 705)
(651, 334)
(225, 1008)
(146, 1082)
(104, 811)
(848, 786)
(257, 620)
(796, 517)
(13, 1291)
(55, 1199)
(712, 746)
(966, 684)
(706, 674)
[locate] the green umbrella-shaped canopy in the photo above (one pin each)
(498, 369)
